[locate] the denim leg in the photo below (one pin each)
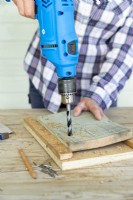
(114, 104)
(35, 99)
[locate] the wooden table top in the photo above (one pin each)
(108, 181)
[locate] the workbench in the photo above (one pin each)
(108, 181)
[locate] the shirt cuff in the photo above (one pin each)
(100, 96)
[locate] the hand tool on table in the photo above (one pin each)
(4, 136)
(27, 164)
(47, 169)
(4, 132)
(59, 45)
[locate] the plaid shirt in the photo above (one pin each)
(105, 34)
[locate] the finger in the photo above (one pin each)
(79, 108)
(102, 114)
(14, 1)
(29, 8)
(20, 6)
(96, 111)
(97, 114)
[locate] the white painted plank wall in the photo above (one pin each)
(15, 34)
(126, 96)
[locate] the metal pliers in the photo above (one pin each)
(47, 169)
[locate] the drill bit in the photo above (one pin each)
(69, 120)
(67, 89)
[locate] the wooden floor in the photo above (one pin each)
(110, 181)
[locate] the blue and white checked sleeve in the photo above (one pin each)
(117, 67)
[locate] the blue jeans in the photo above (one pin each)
(36, 100)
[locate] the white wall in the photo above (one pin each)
(15, 34)
(126, 96)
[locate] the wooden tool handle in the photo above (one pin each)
(27, 164)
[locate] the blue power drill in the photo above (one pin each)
(59, 44)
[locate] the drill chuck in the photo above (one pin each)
(67, 89)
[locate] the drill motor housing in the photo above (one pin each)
(58, 39)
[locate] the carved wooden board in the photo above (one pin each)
(88, 133)
(66, 159)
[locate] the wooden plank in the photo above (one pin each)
(88, 133)
(80, 159)
(47, 140)
(129, 142)
(123, 115)
(96, 182)
(112, 153)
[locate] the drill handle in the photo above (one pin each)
(58, 39)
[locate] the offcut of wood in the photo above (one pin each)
(51, 144)
(66, 158)
(88, 133)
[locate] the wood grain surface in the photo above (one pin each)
(78, 159)
(112, 181)
(88, 133)
(52, 145)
